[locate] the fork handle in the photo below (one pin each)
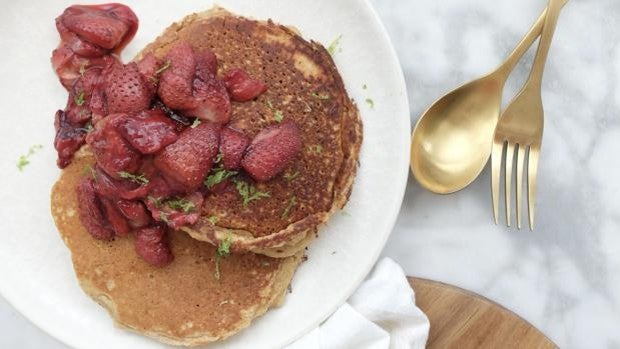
(524, 44)
(553, 11)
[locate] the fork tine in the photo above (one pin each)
(496, 163)
(510, 152)
(520, 162)
(532, 171)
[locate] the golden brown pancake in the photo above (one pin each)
(304, 86)
(182, 303)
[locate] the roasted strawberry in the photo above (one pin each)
(152, 245)
(126, 91)
(90, 212)
(232, 146)
(113, 153)
(148, 67)
(115, 217)
(175, 83)
(241, 86)
(206, 65)
(176, 212)
(111, 188)
(272, 150)
(69, 138)
(149, 131)
(109, 26)
(135, 212)
(212, 101)
(188, 160)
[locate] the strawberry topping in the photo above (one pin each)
(232, 146)
(272, 150)
(242, 87)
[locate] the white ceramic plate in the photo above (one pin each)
(35, 267)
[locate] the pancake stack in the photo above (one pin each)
(185, 303)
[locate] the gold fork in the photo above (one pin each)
(520, 129)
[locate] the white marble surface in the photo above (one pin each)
(565, 276)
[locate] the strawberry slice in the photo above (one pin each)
(151, 244)
(112, 151)
(188, 160)
(135, 212)
(126, 91)
(147, 67)
(115, 217)
(90, 211)
(232, 146)
(110, 26)
(212, 101)
(175, 83)
(241, 86)
(271, 150)
(149, 131)
(206, 65)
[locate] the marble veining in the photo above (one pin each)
(565, 276)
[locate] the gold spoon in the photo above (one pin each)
(452, 140)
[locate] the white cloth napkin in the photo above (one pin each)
(381, 314)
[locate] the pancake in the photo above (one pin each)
(182, 303)
(304, 86)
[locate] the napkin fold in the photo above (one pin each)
(381, 314)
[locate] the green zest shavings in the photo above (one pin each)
(163, 216)
(291, 176)
(181, 204)
(213, 219)
(139, 178)
(218, 175)
(321, 96)
(371, 103)
(154, 200)
(248, 192)
(24, 160)
(223, 250)
(334, 45)
(218, 158)
(364, 86)
(79, 98)
(88, 170)
(195, 123)
(291, 203)
(163, 68)
(318, 149)
(278, 116)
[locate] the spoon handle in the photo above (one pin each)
(525, 43)
(553, 11)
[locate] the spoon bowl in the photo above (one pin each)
(452, 142)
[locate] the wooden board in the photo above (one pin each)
(461, 319)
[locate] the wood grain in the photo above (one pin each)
(461, 319)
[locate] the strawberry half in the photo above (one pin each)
(242, 87)
(272, 150)
(232, 146)
(188, 160)
(126, 91)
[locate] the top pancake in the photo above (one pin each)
(304, 86)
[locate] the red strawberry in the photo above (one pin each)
(90, 212)
(242, 87)
(149, 131)
(206, 65)
(111, 150)
(135, 212)
(213, 103)
(110, 26)
(126, 91)
(69, 138)
(115, 217)
(232, 146)
(147, 67)
(188, 160)
(175, 83)
(272, 150)
(151, 244)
